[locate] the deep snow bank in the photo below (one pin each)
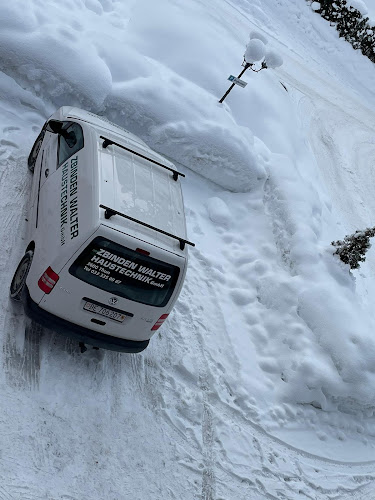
(127, 75)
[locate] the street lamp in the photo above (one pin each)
(256, 53)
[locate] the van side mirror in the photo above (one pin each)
(57, 127)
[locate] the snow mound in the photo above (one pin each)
(255, 51)
(225, 156)
(65, 64)
(258, 36)
(273, 60)
(51, 62)
(346, 377)
(218, 211)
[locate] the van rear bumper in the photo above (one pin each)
(79, 333)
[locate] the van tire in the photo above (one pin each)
(31, 160)
(31, 163)
(19, 278)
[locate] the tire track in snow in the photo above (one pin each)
(4, 495)
(278, 470)
(208, 433)
(340, 169)
(137, 364)
(22, 362)
(204, 319)
(193, 316)
(113, 368)
(20, 352)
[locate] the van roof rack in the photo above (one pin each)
(108, 142)
(109, 212)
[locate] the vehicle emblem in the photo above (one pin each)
(112, 300)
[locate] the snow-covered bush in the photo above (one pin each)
(352, 248)
(349, 18)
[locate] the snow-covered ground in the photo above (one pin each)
(262, 382)
(367, 8)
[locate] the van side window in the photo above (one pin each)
(70, 142)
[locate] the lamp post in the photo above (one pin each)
(255, 52)
(246, 65)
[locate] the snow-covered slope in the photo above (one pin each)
(261, 383)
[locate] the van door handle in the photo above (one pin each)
(46, 173)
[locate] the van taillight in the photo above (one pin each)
(48, 280)
(159, 322)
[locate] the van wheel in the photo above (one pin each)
(35, 151)
(19, 278)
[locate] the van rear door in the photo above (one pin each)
(118, 276)
(126, 273)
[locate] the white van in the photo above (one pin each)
(107, 250)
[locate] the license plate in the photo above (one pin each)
(103, 311)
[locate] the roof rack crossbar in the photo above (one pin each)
(108, 142)
(109, 212)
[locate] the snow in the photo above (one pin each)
(273, 60)
(261, 382)
(218, 211)
(255, 51)
(359, 5)
(315, 5)
(258, 36)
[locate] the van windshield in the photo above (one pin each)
(124, 272)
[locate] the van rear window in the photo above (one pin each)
(124, 272)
